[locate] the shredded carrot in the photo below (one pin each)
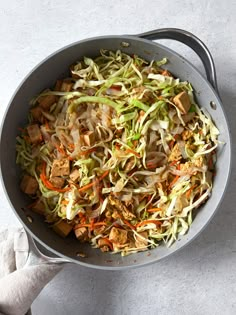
(88, 151)
(133, 152)
(173, 163)
(86, 187)
(47, 183)
(64, 202)
(174, 181)
(154, 210)
(129, 225)
(89, 225)
(71, 145)
(47, 125)
(157, 222)
(108, 243)
(188, 192)
(103, 175)
(61, 150)
(92, 225)
(117, 225)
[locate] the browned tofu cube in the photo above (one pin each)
(89, 138)
(74, 175)
(47, 101)
(58, 85)
(102, 244)
(39, 207)
(60, 168)
(57, 182)
(167, 73)
(118, 236)
(36, 113)
(34, 133)
(175, 154)
(66, 86)
(140, 242)
(29, 185)
(81, 233)
(62, 228)
(182, 101)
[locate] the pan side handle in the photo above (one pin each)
(193, 42)
(35, 257)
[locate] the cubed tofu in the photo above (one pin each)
(117, 204)
(66, 86)
(39, 207)
(36, 113)
(75, 175)
(34, 133)
(60, 167)
(29, 185)
(140, 242)
(89, 138)
(188, 117)
(57, 182)
(187, 166)
(118, 236)
(81, 233)
(175, 154)
(62, 228)
(99, 230)
(198, 162)
(58, 85)
(47, 101)
(102, 244)
(182, 101)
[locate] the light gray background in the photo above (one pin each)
(200, 279)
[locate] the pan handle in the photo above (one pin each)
(35, 257)
(193, 42)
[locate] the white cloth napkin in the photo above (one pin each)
(20, 283)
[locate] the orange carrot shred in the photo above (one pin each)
(133, 152)
(174, 181)
(129, 224)
(154, 210)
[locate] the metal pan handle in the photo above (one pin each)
(193, 42)
(35, 257)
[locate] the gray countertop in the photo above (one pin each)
(201, 278)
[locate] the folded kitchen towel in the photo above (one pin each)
(20, 282)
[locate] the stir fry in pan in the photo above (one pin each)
(118, 154)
